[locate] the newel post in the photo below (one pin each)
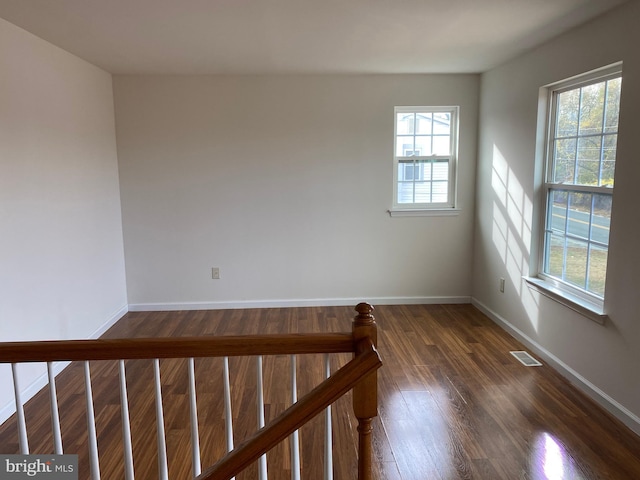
(365, 393)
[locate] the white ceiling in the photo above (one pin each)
(298, 36)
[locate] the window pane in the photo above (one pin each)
(440, 192)
(592, 109)
(423, 145)
(564, 160)
(554, 255)
(579, 214)
(601, 219)
(407, 171)
(613, 105)
(441, 145)
(405, 192)
(441, 123)
(423, 123)
(567, 115)
(404, 146)
(597, 269)
(558, 210)
(576, 263)
(441, 171)
(405, 123)
(588, 161)
(423, 192)
(608, 160)
(426, 167)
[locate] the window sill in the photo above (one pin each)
(424, 212)
(575, 303)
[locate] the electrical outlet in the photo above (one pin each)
(502, 285)
(215, 273)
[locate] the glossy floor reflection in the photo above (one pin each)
(454, 404)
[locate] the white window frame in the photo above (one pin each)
(430, 208)
(587, 303)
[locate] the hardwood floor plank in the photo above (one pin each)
(453, 403)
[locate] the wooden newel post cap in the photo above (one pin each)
(365, 316)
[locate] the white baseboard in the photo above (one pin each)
(42, 381)
(111, 321)
(313, 302)
(615, 408)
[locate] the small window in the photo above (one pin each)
(425, 157)
(579, 187)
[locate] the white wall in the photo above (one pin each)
(61, 251)
(284, 183)
(604, 360)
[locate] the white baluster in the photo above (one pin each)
(55, 417)
(94, 461)
(163, 471)
(22, 424)
(228, 414)
(228, 417)
(262, 462)
(126, 425)
(193, 410)
(295, 442)
(328, 440)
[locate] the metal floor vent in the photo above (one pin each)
(526, 359)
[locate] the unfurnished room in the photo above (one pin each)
(287, 239)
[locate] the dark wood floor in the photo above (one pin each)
(454, 404)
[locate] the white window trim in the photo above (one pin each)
(424, 212)
(584, 303)
(563, 297)
(428, 209)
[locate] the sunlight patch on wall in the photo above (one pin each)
(499, 232)
(499, 176)
(509, 191)
(517, 205)
(515, 260)
(531, 305)
(511, 229)
(527, 220)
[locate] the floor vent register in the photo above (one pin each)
(526, 359)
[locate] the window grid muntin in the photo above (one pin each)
(450, 159)
(550, 184)
(605, 131)
(428, 162)
(566, 236)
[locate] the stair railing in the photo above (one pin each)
(359, 375)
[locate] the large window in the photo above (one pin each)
(425, 157)
(578, 186)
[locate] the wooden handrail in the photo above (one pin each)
(358, 375)
(366, 362)
(176, 347)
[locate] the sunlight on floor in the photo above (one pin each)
(419, 424)
(551, 461)
(553, 466)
